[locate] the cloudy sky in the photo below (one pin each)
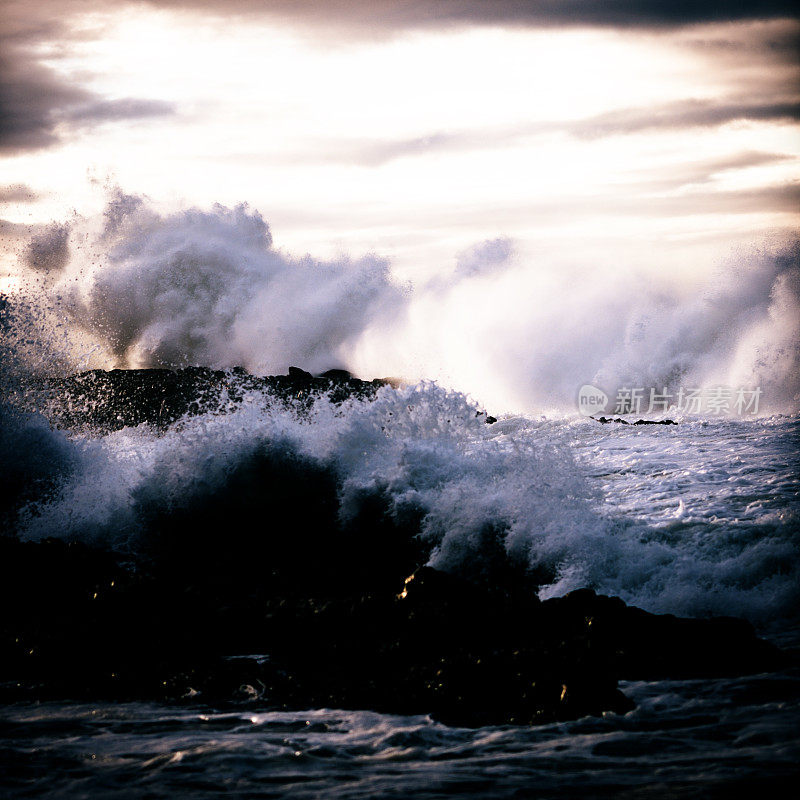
(411, 128)
(585, 134)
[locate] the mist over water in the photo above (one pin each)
(209, 287)
(696, 519)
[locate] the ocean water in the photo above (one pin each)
(698, 518)
(694, 519)
(699, 739)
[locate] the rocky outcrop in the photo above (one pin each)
(256, 589)
(115, 399)
(621, 421)
(86, 625)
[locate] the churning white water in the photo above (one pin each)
(137, 287)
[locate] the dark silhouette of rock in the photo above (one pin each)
(645, 646)
(620, 421)
(257, 589)
(252, 629)
(115, 399)
(300, 374)
(336, 375)
(111, 400)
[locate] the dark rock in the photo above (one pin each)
(109, 401)
(297, 374)
(342, 612)
(336, 375)
(620, 421)
(86, 625)
(645, 646)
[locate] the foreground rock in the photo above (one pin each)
(119, 398)
(621, 421)
(255, 588)
(80, 624)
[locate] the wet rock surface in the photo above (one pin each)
(81, 623)
(119, 398)
(621, 421)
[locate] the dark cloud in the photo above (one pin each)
(702, 172)
(770, 44)
(638, 202)
(110, 110)
(37, 104)
(784, 199)
(31, 97)
(381, 17)
(685, 114)
(393, 14)
(779, 199)
(18, 193)
(681, 115)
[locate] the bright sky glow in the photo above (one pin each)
(415, 146)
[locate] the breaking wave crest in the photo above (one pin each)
(137, 287)
(695, 519)
(520, 496)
